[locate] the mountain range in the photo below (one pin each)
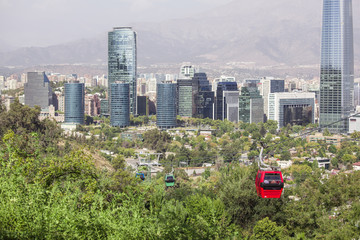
(262, 31)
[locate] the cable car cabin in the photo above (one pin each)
(269, 183)
(169, 180)
(140, 175)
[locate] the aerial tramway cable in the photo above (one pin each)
(269, 181)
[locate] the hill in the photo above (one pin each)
(262, 31)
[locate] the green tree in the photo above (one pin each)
(263, 131)
(285, 155)
(266, 229)
(332, 149)
(157, 140)
(326, 132)
(271, 126)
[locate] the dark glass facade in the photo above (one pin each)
(277, 85)
(104, 107)
(201, 82)
(143, 105)
(223, 86)
(120, 105)
(74, 103)
(337, 64)
(122, 61)
(205, 104)
(298, 115)
(37, 90)
(184, 97)
(166, 105)
(251, 105)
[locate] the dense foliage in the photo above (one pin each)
(51, 189)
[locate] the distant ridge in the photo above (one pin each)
(261, 31)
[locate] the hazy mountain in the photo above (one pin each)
(261, 31)
(5, 46)
(82, 51)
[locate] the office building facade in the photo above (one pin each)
(37, 90)
(120, 105)
(143, 105)
(251, 105)
(166, 105)
(231, 106)
(122, 62)
(205, 105)
(270, 85)
(74, 103)
(203, 97)
(337, 65)
(292, 108)
(187, 71)
(356, 94)
(221, 87)
(184, 97)
(354, 124)
(104, 107)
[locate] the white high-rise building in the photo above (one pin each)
(295, 108)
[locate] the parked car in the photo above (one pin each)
(155, 163)
(206, 165)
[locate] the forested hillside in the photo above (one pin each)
(50, 188)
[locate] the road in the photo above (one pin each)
(155, 169)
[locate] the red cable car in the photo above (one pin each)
(269, 183)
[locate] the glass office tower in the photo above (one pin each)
(221, 87)
(166, 105)
(120, 105)
(122, 61)
(37, 90)
(337, 65)
(184, 97)
(251, 105)
(74, 103)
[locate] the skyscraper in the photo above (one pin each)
(220, 98)
(295, 108)
(205, 104)
(122, 61)
(37, 90)
(202, 106)
(184, 97)
(187, 71)
(120, 104)
(231, 106)
(74, 103)
(251, 105)
(143, 105)
(270, 85)
(166, 105)
(337, 64)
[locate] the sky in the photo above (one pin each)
(30, 23)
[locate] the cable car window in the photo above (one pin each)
(272, 178)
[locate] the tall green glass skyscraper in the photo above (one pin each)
(120, 116)
(166, 105)
(122, 62)
(74, 103)
(337, 64)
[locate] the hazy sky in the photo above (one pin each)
(47, 22)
